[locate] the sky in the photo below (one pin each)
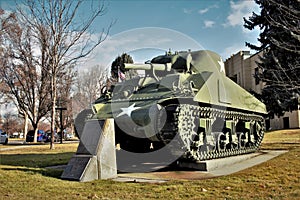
(145, 29)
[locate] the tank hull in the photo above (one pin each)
(185, 102)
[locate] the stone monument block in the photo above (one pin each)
(96, 155)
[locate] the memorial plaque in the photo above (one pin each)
(76, 167)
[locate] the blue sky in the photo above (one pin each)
(147, 28)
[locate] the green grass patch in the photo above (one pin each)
(282, 136)
(281, 139)
(38, 155)
(23, 176)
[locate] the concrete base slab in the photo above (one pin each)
(227, 168)
(256, 160)
(218, 167)
(209, 165)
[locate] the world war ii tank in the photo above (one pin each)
(182, 96)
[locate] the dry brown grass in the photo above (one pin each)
(23, 176)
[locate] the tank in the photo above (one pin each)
(183, 98)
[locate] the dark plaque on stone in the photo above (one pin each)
(76, 167)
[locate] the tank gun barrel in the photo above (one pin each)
(149, 66)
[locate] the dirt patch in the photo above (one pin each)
(292, 132)
(183, 175)
(160, 177)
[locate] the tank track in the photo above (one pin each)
(200, 137)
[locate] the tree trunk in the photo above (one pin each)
(35, 128)
(53, 90)
(25, 130)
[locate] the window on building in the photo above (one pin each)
(234, 78)
(286, 122)
(268, 124)
(256, 74)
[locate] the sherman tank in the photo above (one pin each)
(183, 96)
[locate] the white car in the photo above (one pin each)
(69, 136)
(3, 138)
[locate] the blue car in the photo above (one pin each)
(41, 136)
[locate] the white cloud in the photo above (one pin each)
(239, 10)
(205, 10)
(233, 49)
(137, 40)
(208, 23)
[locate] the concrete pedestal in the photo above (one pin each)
(96, 156)
(210, 165)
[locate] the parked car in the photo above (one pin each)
(41, 136)
(3, 137)
(56, 137)
(69, 136)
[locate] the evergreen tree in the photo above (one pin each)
(279, 23)
(118, 64)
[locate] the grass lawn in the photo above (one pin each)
(23, 176)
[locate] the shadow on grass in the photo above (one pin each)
(36, 160)
(36, 163)
(54, 173)
(22, 143)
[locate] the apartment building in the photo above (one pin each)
(241, 68)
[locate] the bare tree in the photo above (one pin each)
(64, 100)
(4, 20)
(24, 81)
(63, 37)
(11, 123)
(89, 84)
